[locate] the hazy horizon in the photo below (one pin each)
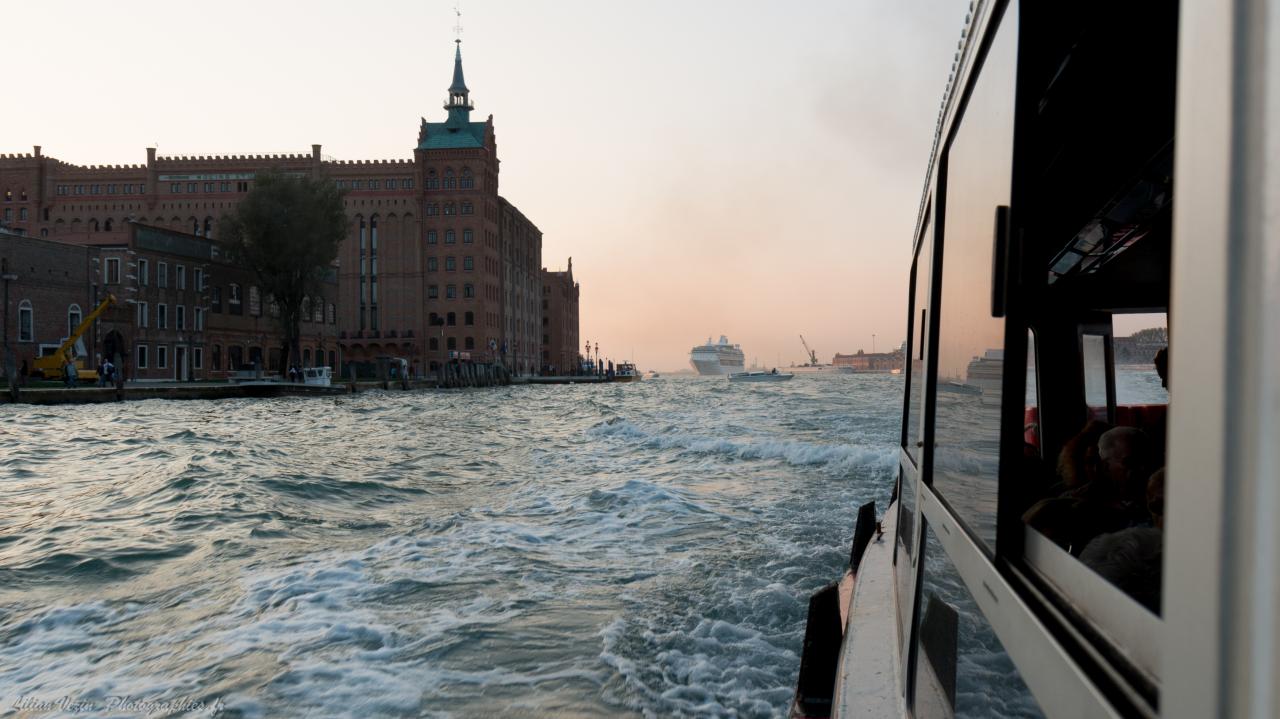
(717, 168)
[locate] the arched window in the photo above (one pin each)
(306, 358)
(451, 319)
(449, 209)
(433, 182)
(471, 343)
(317, 310)
(468, 290)
(450, 237)
(23, 196)
(468, 181)
(469, 318)
(255, 301)
(74, 317)
(8, 195)
(208, 227)
(26, 321)
(449, 182)
(106, 225)
(195, 226)
(93, 225)
(451, 343)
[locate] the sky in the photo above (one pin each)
(751, 169)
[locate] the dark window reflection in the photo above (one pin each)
(970, 340)
(962, 670)
(919, 341)
(906, 548)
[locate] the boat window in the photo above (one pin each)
(1095, 206)
(962, 669)
(978, 172)
(1031, 419)
(921, 279)
(1141, 348)
(1094, 350)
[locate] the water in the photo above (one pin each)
(630, 550)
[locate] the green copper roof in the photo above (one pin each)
(458, 131)
(448, 136)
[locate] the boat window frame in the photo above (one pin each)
(913, 469)
(989, 25)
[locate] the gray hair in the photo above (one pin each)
(1130, 559)
(1132, 437)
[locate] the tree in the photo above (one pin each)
(287, 230)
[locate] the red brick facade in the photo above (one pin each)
(181, 313)
(560, 350)
(430, 239)
(55, 287)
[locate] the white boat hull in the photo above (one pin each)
(759, 377)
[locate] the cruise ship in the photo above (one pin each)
(717, 359)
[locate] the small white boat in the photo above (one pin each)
(773, 376)
(319, 376)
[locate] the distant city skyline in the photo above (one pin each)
(712, 168)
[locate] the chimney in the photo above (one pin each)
(37, 150)
(152, 178)
(315, 162)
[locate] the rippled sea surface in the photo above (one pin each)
(629, 549)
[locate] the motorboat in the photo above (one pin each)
(774, 376)
(317, 376)
(626, 372)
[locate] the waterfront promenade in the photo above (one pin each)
(51, 395)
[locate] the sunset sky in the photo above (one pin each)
(742, 168)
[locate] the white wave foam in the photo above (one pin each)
(837, 457)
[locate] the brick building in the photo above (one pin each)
(182, 311)
(559, 321)
(431, 265)
(870, 362)
(522, 289)
(53, 286)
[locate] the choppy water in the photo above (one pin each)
(640, 549)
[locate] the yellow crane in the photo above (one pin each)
(51, 366)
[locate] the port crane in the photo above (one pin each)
(813, 356)
(50, 366)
